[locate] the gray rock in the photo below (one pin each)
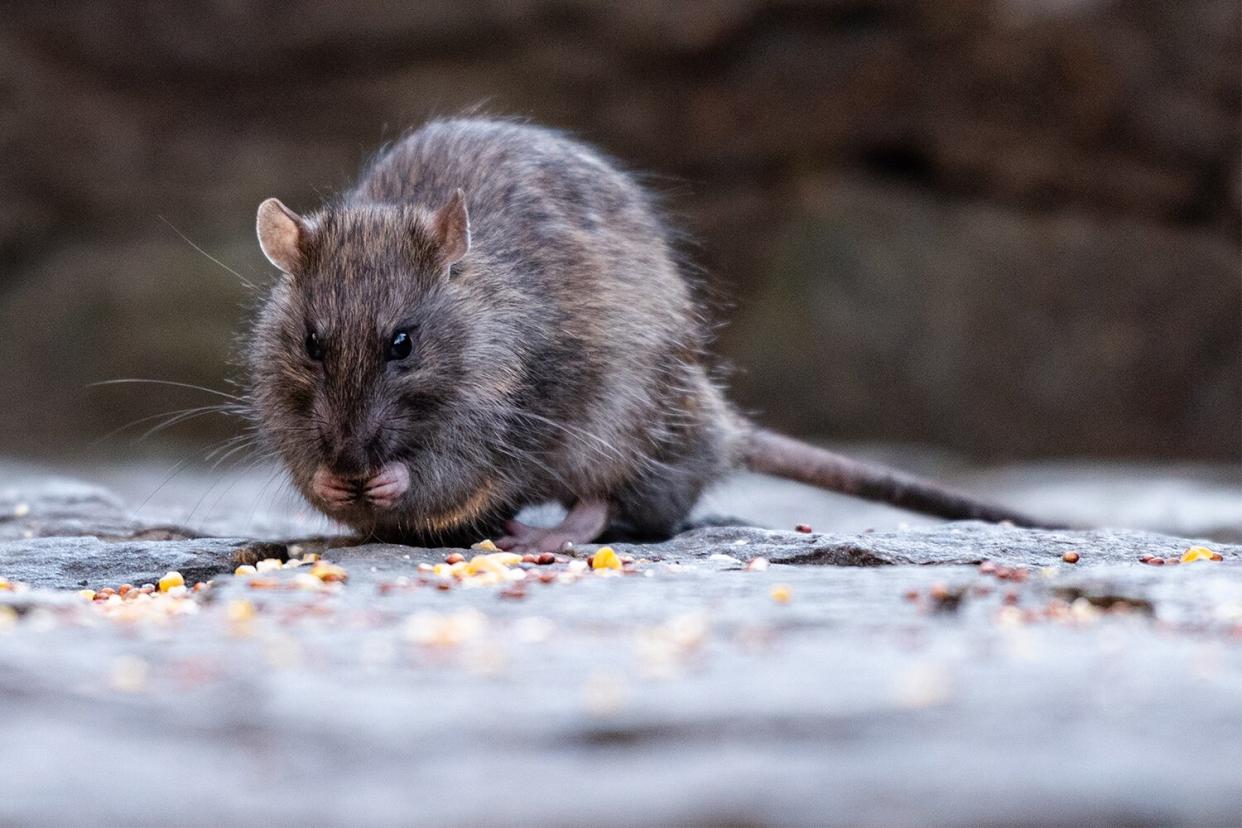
(75, 562)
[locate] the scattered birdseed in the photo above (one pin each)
(1070, 557)
(1200, 553)
(605, 558)
(171, 580)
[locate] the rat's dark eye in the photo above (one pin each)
(314, 349)
(400, 346)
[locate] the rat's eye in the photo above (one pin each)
(314, 348)
(400, 346)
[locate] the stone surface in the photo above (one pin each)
(894, 683)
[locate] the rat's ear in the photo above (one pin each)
(283, 235)
(451, 225)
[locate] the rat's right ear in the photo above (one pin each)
(283, 235)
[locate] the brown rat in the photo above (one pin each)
(493, 317)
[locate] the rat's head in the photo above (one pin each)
(360, 348)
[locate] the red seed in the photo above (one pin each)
(547, 577)
(591, 562)
(912, 595)
(1146, 557)
(1156, 562)
(1011, 597)
(987, 568)
(804, 528)
(1070, 557)
(545, 559)
(528, 558)
(454, 557)
(938, 592)
(443, 586)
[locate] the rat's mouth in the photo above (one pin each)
(380, 491)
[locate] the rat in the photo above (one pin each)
(494, 317)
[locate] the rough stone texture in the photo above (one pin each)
(1008, 226)
(683, 695)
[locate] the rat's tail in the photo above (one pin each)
(771, 453)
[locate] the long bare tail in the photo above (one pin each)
(771, 453)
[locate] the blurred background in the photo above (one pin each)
(1005, 229)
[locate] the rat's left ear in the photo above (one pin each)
(451, 225)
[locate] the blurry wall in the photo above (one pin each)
(1006, 227)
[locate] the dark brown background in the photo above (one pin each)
(1008, 228)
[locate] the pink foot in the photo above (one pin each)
(583, 524)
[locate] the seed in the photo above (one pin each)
(987, 568)
(454, 557)
(485, 546)
(912, 595)
(545, 559)
(268, 565)
(804, 528)
(605, 558)
(781, 593)
(1070, 557)
(88, 594)
(1156, 562)
(1011, 597)
(1146, 557)
(170, 580)
(245, 569)
(757, 564)
(147, 588)
(1200, 553)
(530, 559)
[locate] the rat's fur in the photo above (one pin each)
(561, 359)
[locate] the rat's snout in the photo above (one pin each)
(381, 490)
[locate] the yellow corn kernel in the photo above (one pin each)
(506, 558)
(268, 565)
(87, 594)
(240, 611)
(170, 580)
(485, 563)
(605, 558)
(310, 557)
(781, 593)
(486, 546)
(245, 569)
(1200, 553)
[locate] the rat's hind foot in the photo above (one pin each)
(583, 524)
